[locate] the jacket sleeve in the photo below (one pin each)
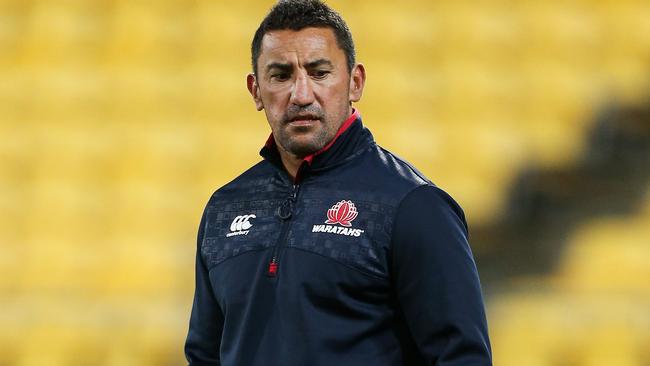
(436, 280)
(206, 321)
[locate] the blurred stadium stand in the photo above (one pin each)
(545, 206)
(119, 118)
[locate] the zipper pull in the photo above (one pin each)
(286, 208)
(272, 270)
(285, 211)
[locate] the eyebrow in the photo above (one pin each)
(319, 62)
(287, 67)
(279, 65)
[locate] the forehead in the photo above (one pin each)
(289, 46)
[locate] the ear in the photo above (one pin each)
(357, 81)
(254, 89)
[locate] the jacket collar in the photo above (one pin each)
(351, 138)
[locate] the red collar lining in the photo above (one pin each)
(270, 142)
(348, 122)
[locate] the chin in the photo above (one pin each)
(303, 147)
(302, 150)
(304, 144)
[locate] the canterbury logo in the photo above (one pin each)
(240, 225)
(342, 213)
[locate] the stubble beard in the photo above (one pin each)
(320, 137)
(302, 141)
(301, 148)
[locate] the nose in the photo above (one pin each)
(303, 91)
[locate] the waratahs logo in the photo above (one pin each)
(342, 213)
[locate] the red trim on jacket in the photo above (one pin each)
(270, 142)
(348, 122)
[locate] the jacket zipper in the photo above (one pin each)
(285, 211)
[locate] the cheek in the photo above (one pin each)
(274, 102)
(337, 99)
(342, 89)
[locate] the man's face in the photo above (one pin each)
(304, 86)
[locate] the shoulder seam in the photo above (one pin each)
(406, 163)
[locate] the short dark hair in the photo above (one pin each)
(299, 14)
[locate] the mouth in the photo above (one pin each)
(304, 120)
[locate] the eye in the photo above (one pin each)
(282, 76)
(320, 74)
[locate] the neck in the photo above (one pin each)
(292, 162)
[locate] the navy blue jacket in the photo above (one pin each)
(359, 261)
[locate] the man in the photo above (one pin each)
(330, 251)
